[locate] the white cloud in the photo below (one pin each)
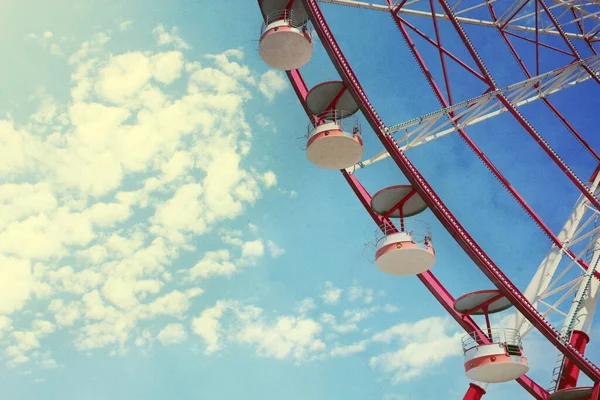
(358, 315)
(172, 37)
(269, 179)
(265, 122)
(421, 346)
(253, 228)
(5, 325)
(116, 184)
(306, 305)
(213, 263)
(15, 285)
(175, 303)
(272, 83)
(172, 334)
(253, 249)
(390, 308)
(332, 294)
(167, 66)
(285, 337)
(123, 76)
(65, 314)
(23, 344)
(358, 293)
(208, 325)
(169, 222)
(125, 25)
(274, 250)
(344, 351)
(45, 40)
(330, 320)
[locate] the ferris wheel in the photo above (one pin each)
(566, 284)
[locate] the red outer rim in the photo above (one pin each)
(439, 209)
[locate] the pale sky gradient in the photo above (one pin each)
(162, 234)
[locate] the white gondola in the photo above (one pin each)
(334, 141)
(285, 40)
(492, 355)
(405, 253)
(334, 137)
(498, 359)
(406, 249)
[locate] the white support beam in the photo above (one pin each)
(463, 20)
(432, 126)
(544, 282)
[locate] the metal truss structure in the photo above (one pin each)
(566, 284)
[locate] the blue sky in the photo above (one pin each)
(162, 233)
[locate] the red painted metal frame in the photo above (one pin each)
(570, 372)
(503, 34)
(587, 40)
(474, 393)
(566, 39)
(439, 209)
(445, 51)
(400, 22)
(485, 305)
(399, 208)
(513, 110)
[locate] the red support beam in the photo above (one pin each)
(442, 60)
(446, 52)
(485, 304)
(566, 39)
(570, 372)
(573, 131)
(475, 392)
(537, 43)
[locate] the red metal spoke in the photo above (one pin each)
(537, 43)
(580, 27)
(537, 39)
(528, 127)
(399, 6)
(566, 39)
(442, 60)
(399, 206)
(512, 49)
(514, 13)
(335, 100)
(446, 52)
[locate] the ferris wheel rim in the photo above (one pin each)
(378, 126)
